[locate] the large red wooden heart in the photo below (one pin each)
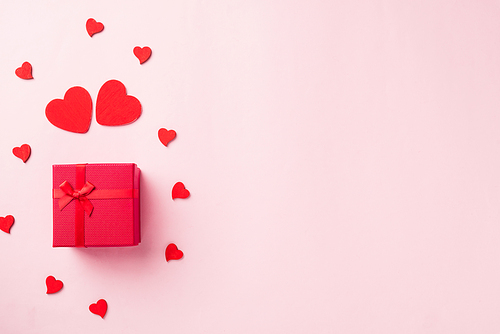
(173, 253)
(93, 27)
(73, 113)
(179, 191)
(53, 285)
(114, 106)
(142, 54)
(24, 72)
(100, 308)
(22, 152)
(6, 223)
(166, 136)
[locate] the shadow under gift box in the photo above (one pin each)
(96, 205)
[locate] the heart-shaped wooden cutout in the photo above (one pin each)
(73, 113)
(114, 106)
(142, 54)
(6, 223)
(24, 72)
(93, 27)
(22, 152)
(166, 136)
(53, 285)
(173, 253)
(100, 308)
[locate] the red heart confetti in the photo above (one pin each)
(173, 253)
(53, 285)
(22, 152)
(6, 223)
(93, 27)
(179, 191)
(114, 106)
(142, 54)
(100, 308)
(24, 72)
(73, 113)
(166, 136)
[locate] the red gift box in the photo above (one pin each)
(96, 205)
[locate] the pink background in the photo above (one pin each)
(343, 160)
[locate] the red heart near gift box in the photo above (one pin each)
(114, 106)
(166, 136)
(73, 113)
(6, 223)
(53, 285)
(179, 191)
(100, 308)
(23, 152)
(24, 72)
(142, 54)
(173, 253)
(93, 27)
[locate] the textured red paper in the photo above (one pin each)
(114, 106)
(22, 152)
(142, 54)
(166, 136)
(173, 253)
(179, 191)
(100, 308)
(93, 27)
(53, 285)
(6, 223)
(24, 72)
(114, 222)
(73, 113)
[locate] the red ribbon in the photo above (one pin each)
(66, 194)
(80, 195)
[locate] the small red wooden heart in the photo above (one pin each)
(100, 308)
(172, 253)
(73, 113)
(22, 152)
(93, 27)
(53, 285)
(142, 54)
(24, 72)
(6, 223)
(179, 191)
(114, 106)
(166, 136)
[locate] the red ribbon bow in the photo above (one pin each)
(80, 195)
